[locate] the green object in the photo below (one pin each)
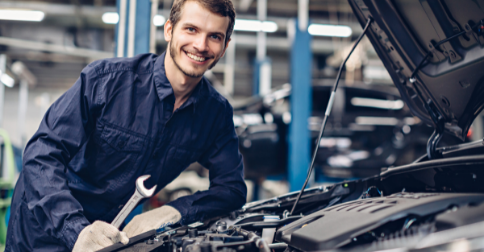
(6, 183)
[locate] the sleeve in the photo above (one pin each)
(63, 130)
(227, 190)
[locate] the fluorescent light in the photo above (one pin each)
(268, 26)
(252, 119)
(330, 142)
(329, 30)
(254, 25)
(6, 79)
(22, 15)
(384, 121)
(159, 20)
(368, 120)
(110, 18)
(377, 103)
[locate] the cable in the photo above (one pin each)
(328, 111)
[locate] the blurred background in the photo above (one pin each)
(277, 73)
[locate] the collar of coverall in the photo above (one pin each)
(164, 89)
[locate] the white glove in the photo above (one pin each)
(97, 236)
(154, 219)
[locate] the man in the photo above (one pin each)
(125, 118)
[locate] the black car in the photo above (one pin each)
(434, 53)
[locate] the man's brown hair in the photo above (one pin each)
(225, 8)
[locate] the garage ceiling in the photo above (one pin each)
(286, 8)
(77, 23)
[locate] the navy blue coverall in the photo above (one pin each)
(115, 124)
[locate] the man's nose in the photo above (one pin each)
(201, 43)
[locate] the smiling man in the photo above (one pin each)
(124, 118)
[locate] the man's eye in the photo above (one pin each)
(216, 37)
(190, 29)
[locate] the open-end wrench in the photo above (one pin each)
(140, 193)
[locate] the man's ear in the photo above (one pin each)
(226, 46)
(168, 29)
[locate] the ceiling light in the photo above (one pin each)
(329, 30)
(373, 120)
(6, 79)
(159, 20)
(22, 15)
(110, 18)
(377, 103)
(254, 25)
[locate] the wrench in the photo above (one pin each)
(140, 193)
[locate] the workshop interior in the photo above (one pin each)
(359, 122)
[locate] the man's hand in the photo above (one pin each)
(99, 235)
(154, 219)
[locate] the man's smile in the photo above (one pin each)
(200, 59)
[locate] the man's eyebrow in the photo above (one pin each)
(189, 24)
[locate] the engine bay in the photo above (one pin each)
(393, 210)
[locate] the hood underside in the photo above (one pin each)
(448, 88)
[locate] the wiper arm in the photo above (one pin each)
(459, 147)
(447, 150)
(437, 163)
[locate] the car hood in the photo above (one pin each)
(448, 89)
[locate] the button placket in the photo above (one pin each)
(158, 143)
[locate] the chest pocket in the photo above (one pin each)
(121, 140)
(116, 157)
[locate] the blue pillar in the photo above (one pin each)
(133, 28)
(299, 134)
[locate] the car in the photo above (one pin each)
(434, 53)
(370, 127)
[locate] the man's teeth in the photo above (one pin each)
(194, 57)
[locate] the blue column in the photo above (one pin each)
(299, 134)
(140, 42)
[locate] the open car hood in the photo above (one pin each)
(448, 90)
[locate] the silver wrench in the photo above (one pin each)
(140, 193)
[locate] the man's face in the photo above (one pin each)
(197, 41)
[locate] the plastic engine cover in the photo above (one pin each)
(335, 226)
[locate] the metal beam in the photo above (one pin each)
(154, 10)
(262, 73)
(3, 70)
(39, 46)
(229, 67)
(121, 28)
(23, 100)
(26, 79)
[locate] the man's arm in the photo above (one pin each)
(227, 187)
(63, 130)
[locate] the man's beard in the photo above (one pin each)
(192, 75)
